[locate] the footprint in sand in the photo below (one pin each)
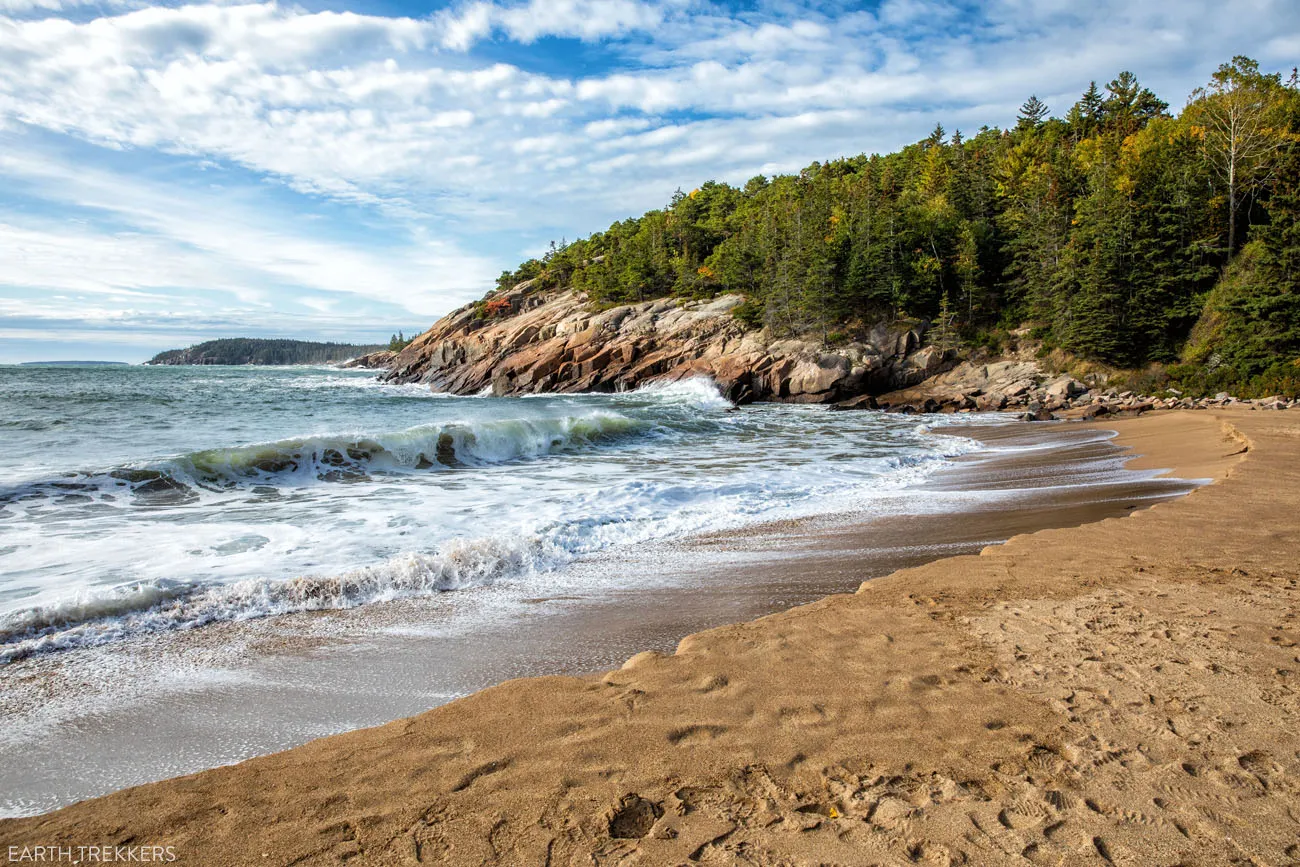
(695, 734)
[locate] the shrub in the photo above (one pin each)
(749, 313)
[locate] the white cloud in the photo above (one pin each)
(21, 6)
(588, 20)
(209, 241)
(44, 7)
(371, 110)
(414, 121)
(461, 29)
(118, 264)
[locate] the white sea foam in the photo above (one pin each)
(638, 512)
(372, 384)
(429, 496)
(698, 391)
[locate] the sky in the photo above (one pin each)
(344, 169)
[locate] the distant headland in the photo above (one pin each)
(245, 350)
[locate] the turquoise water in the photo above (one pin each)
(138, 499)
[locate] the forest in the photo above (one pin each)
(1120, 232)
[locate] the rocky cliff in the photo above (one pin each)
(525, 341)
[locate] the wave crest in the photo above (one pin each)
(345, 458)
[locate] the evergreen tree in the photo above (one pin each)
(1130, 106)
(1032, 114)
(1085, 116)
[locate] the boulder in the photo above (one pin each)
(1065, 387)
(374, 361)
(1020, 388)
(864, 401)
(1086, 413)
(817, 376)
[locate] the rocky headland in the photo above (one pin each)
(528, 341)
(525, 342)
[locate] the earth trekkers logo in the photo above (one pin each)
(105, 854)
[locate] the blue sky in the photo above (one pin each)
(340, 170)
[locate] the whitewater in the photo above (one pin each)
(136, 500)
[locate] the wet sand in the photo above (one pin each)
(1078, 695)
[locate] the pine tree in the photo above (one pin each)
(1091, 103)
(1085, 116)
(1032, 114)
(1130, 106)
(944, 336)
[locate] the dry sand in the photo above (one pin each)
(1122, 692)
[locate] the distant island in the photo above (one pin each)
(73, 364)
(246, 350)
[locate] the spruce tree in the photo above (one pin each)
(1032, 114)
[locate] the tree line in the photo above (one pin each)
(1122, 231)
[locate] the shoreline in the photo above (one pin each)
(86, 722)
(838, 730)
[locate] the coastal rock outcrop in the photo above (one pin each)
(525, 341)
(529, 341)
(379, 360)
(1023, 386)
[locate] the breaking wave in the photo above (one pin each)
(345, 458)
(697, 391)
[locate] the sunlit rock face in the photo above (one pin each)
(525, 342)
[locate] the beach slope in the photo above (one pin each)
(1124, 692)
